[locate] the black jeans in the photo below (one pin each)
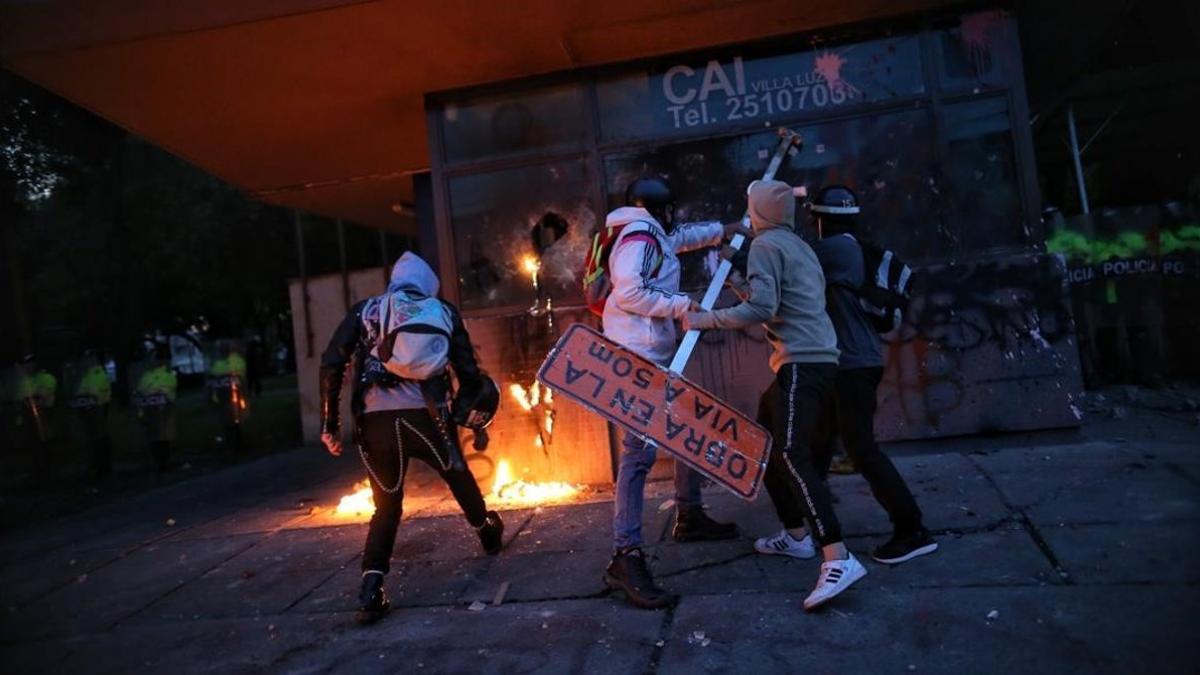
(850, 412)
(790, 409)
(389, 440)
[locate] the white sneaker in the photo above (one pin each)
(836, 576)
(783, 543)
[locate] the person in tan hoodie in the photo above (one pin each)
(785, 291)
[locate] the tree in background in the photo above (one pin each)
(106, 237)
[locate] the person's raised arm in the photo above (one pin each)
(765, 268)
(631, 267)
(691, 236)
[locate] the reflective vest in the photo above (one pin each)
(233, 364)
(158, 381)
(40, 387)
(95, 385)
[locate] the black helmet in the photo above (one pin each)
(835, 200)
(654, 194)
(475, 407)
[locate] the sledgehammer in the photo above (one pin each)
(789, 143)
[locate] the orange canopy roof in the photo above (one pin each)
(318, 104)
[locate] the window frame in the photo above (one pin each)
(595, 149)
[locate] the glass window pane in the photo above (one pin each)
(752, 93)
(982, 197)
(709, 179)
(509, 223)
(980, 53)
(887, 159)
(498, 126)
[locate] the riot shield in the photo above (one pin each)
(153, 390)
(29, 398)
(87, 393)
(225, 382)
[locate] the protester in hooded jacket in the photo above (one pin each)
(394, 420)
(640, 314)
(786, 293)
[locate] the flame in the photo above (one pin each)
(358, 503)
(510, 490)
(538, 400)
(531, 265)
(530, 398)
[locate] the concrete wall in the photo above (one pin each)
(326, 310)
(987, 345)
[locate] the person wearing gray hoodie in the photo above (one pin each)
(785, 291)
(395, 417)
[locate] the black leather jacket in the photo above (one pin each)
(349, 344)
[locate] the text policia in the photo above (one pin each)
(721, 93)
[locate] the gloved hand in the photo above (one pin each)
(481, 440)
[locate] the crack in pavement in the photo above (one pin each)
(1027, 524)
(660, 645)
(707, 565)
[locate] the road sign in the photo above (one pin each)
(661, 406)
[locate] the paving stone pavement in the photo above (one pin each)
(1076, 557)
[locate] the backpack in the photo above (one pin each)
(413, 336)
(885, 290)
(597, 285)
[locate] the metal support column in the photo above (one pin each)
(1083, 198)
(304, 299)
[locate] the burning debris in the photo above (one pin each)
(507, 490)
(540, 401)
(510, 491)
(357, 503)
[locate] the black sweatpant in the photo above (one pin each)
(790, 409)
(389, 440)
(850, 412)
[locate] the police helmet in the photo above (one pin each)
(835, 200)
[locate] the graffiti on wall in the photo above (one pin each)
(985, 346)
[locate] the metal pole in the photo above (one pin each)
(341, 235)
(304, 299)
(1083, 198)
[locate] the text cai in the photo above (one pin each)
(721, 93)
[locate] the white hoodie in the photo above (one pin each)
(413, 276)
(640, 314)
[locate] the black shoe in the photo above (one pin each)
(693, 524)
(904, 547)
(491, 533)
(372, 601)
(628, 572)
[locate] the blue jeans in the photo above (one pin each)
(637, 458)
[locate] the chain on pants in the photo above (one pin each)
(390, 440)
